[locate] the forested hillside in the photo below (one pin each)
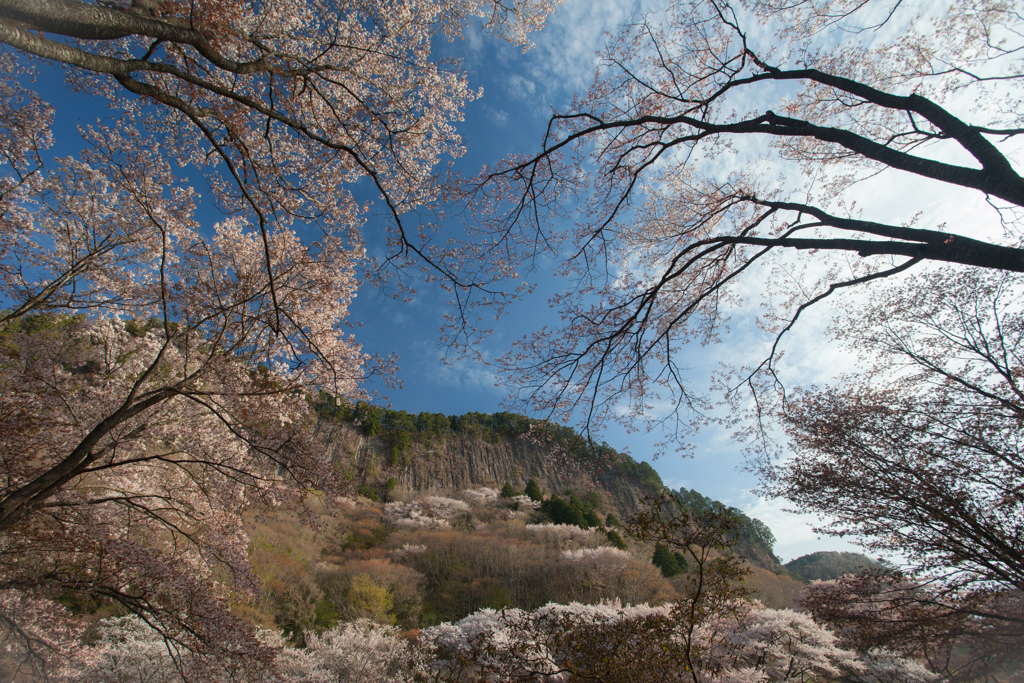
(391, 452)
(826, 565)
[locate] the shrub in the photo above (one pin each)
(615, 539)
(665, 560)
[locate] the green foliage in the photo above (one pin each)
(392, 483)
(760, 533)
(490, 426)
(507, 491)
(615, 539)
(573, 511)
(366, 599)
(753, 533)
(561, 512)
(667, 561)
(641, 472)
(326, 615)
(829, 565)
(367, 492)
(80, 602)
(593, 498)
(533, 490)
(612, 520)
(681, 560)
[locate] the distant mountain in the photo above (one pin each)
(828, 565)
(391, 451)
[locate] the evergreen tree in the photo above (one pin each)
(561, 512)
(533, 490)
(615, 539)
(666, 561)
(507, 491)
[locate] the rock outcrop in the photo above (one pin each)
(460, 462)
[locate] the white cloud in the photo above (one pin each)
(497, 116)
(466, 375)
(793, 533)
(521, 88)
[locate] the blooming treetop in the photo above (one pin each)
(133, 434)
(611, 642)
(723, 141)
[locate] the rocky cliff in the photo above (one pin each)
(459, 461)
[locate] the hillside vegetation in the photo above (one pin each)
(392, 452)
(829, 564)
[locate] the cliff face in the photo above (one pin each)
(476, 453)
(460, 462)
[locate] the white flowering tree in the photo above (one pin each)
(610, 642)
(129, 650)
(154, 365)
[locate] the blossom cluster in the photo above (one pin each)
(432, 511)
(408, 549)
(746, 643)
(412, 515)
(601, 556)
(481, 495)
(128, 649)
(445, 508)
(743, 644)
(560, 534)
(525, 502)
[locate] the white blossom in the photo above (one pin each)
(481, 495)
(559, 534)
(525, 502)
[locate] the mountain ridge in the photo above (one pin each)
(389, 452)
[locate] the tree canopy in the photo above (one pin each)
(156, 367)
(919, 456)
(727, 141)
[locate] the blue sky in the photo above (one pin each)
(520, 90)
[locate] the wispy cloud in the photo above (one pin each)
(794, 535)
(466, 375)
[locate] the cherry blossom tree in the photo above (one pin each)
(885, 615)
(725, 141)
(919, 454)
(155, 367)
(128, 650)
(615, 643)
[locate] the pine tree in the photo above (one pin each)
(666, 561)
(615, 539)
